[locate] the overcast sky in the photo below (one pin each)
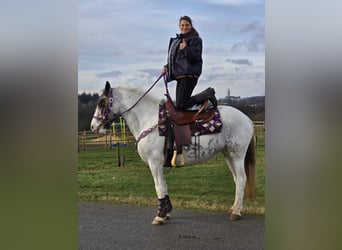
(125, 42)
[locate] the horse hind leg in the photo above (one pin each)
(239, 176)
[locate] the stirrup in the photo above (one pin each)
(174, 158)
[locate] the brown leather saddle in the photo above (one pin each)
(182, 117)
(181, 132)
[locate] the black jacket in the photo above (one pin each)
(185, 62)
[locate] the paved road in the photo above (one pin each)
(108, 226)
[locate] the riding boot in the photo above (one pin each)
(208, 93)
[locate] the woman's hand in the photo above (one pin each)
(164, 70)
(182, 45)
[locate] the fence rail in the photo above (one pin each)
(259, 129)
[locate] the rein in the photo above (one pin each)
(149, 130)
(109, 121)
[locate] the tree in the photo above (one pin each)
(86, 107)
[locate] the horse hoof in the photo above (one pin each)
(158, 221)
(167, 217)
(234, 217)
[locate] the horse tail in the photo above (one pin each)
(250, 168)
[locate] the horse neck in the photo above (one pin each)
(142, 116)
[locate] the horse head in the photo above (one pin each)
(103, 115)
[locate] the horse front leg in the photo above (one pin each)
(164, 202)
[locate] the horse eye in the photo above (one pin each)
(101, 102)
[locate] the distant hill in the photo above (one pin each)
(253, 107)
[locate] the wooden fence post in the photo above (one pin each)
(84, 136)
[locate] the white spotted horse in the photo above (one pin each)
(236, 141)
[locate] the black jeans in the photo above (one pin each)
(184, 89)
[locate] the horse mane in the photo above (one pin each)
(139, 92)
(102, 101)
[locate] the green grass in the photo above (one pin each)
(208, 186)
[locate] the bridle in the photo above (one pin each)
(107, 117)
(106, 111)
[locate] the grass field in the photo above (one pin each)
(207, 187)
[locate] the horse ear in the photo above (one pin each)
(107, 87)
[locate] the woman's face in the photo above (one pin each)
(184, 26)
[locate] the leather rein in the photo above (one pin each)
(104, 116)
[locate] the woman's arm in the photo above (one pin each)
(193, 50)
